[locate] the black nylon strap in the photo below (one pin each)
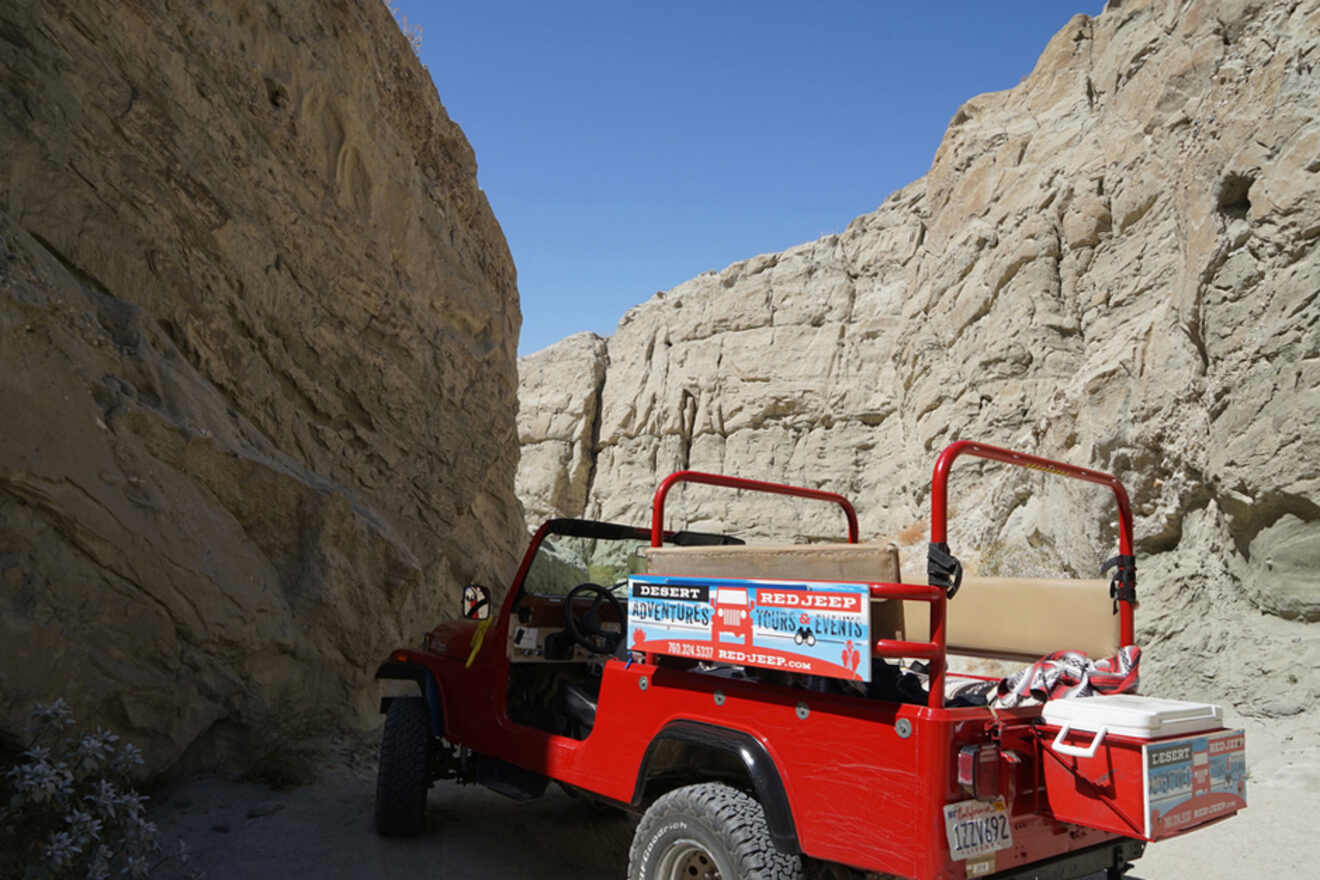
(1123, 585)
(943, 568)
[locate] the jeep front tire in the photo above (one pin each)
(705, 831)
(404, 774)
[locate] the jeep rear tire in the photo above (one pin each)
(707, 831)
(404, 774)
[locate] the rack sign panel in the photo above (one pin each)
(1194, 780)
(809, 628)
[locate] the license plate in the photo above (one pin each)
(976, 828)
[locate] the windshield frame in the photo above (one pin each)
(587, 528)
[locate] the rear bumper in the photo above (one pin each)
(1116, 855)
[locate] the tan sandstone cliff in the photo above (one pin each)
(1114, 263)
(257, 370)
(557, 432)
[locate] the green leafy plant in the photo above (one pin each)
(68, 808)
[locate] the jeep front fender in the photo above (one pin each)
(395, 670)
(744, 751)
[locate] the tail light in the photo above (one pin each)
(986, 772)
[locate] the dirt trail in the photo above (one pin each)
(324, 831)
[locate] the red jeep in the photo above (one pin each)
(800, 760)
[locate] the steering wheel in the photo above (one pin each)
(586, 630)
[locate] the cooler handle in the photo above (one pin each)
(1077, 751)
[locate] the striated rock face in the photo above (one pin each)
(1114, 264)
(257, 370)
(559, 411)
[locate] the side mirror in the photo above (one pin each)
(476, 602)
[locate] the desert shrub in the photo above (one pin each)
(412, 31)
(68, 808)
(286, 742)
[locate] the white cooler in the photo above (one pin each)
(1140, 766)
(1130, 715)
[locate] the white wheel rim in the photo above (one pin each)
(686, 860)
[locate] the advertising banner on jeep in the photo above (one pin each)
(1195, 780)
(811, 628)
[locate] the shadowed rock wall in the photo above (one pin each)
(1115, 264)
(257, 360)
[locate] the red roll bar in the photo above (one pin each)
(939, 497)
(939, 485)
(658, 506)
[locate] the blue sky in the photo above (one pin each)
(627, 147)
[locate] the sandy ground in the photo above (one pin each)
(324, 831)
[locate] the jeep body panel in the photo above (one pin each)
(845, 755)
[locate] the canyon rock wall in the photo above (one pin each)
(1115, 264)
(257, 363)
(559, 410)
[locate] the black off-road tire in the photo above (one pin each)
(404, 774)
(707, 830)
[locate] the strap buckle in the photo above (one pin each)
(943, 568)
(1123, 585)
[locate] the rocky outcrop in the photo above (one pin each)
(257, 371)
(559, 414)
(1114, 263)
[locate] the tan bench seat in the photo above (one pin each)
(1007, 618)
(1024, 618)
(873, 563)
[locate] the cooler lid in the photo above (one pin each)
(1131, 715)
